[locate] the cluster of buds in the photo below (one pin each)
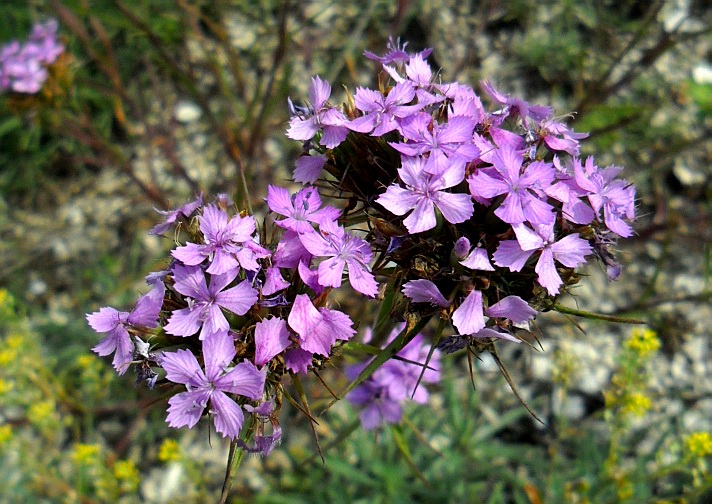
(479, 218)
(23, 67)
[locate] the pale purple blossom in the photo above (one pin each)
(228, 243)
(210, 387)
(274, 282)
(396, 53)
(449, 139)
(301, 209)
(343, 250)
(205, 303)
(23, 66)
(569, 251)
(383, 115)
(615, 196)
(516, 106)
(118, 324)
(425, 191)
(172, 216)
(321, 116)
(521, 187)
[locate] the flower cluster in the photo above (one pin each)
(23, 67)
(224, 321)
(477, 217)
(486, 214)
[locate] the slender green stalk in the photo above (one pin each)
(596, 316)
(234, 459)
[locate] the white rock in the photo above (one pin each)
(187, 112)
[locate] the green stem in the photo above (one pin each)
(596, 316)
(234, 459)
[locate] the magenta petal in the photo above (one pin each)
(274, 282)
(190, 281)
(424, 291)
(191, 254)
(303, 317)
(186, 408)
(548, 276)
(107, 345)
(227, 415)
(218, 352)
(184, 322)
(361, 279)
(456, 208)
(330, 272)
(238, 299)
(422, 218)
(148, 307)
(510, 254)
(244, 379)
(124, 351)
(105, 320)
(513, 308)
(297, 360)
(308, 168)
(469, 317)
(271, 338)
(478, 260)
(182, 367)
(397, 200)
(302, 129)
(571, 250)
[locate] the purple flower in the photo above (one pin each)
(22, 66)
(615, 196)
(569, 251)
(300, 209)
(513, 308)
(173, 215)
(318, 330)
(515, 106)
(372, 396)
(396, 53)
(382, 394)
(382, 115)
(323, 117)
(212, 386)
(440, 140)
(117, 324)
(522, 202)
(228, 243)
(204, 303)
(424, 191)
(344, 250)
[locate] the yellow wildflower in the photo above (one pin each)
(126, 472)
(5, 434)
(643, 342)
(169, 451)
(85, 453)
(636, 404)
(699, 444)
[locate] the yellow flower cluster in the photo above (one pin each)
(5, 434)
(41, 412)
(126, 472)
(643, 342)
(699, 444)
(169, 451)
(636, 404)
(85, 453)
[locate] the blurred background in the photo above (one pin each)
(154, 102)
